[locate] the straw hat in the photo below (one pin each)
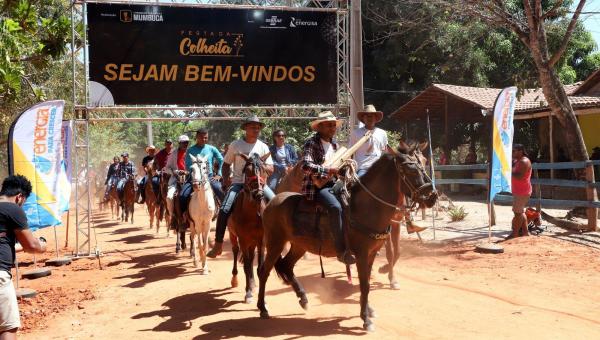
(325, 116)
(370, 109)
(150, 147)
(252, 119)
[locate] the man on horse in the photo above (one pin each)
(111, 176)
(150, 150)
(316, 151)
(176, 163)
(373, 148)
(160, 160)
(126, 169)
(247, 145)
(212, 155)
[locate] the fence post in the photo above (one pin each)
(592, 213)
(538, 189)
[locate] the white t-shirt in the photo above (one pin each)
(280, 155)
(329, 151)
(240, 146)
(371, 150)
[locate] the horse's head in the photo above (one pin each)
(149, 168)
(199, 171)
(415, 182)
(255, 174)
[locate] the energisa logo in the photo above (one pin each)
(299, 23)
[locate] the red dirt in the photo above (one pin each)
(541, 287)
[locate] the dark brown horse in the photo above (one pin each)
(114, 200)
(152, 199)
(128, 201)
(245, 222)
(163, 212)
(178, 219)
(377, 191)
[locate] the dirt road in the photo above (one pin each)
(541, 287)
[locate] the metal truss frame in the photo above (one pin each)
(85, 113)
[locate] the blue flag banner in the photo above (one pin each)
(35, 151)
(502, 140)
(65, 174)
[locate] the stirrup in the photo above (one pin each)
(346, 258)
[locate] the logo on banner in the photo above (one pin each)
(273, 20)
(298, 23)
(126, 15)
(205, 43)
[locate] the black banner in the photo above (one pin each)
(161, 55)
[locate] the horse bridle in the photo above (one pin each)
(203, 179)
(255, 178)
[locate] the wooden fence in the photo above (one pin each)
(591, 203)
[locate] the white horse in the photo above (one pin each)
(201, 209)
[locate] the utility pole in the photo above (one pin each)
(149, 131)
(357, 101)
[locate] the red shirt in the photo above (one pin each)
(160, 159)
(181, 159)
(521, 187)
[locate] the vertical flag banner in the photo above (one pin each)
(35, 151)
(65, 166)
(502, 139)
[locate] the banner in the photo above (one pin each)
(156, 54)
(35, 151)
(502, 140)
(65, 174)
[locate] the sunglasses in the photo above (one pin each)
(279, 135)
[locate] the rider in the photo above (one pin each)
(111, 176)
(213, 156)
(248, 145)
(373, 148)
(150, 150)
(284, 158)
(176, 165)
(160, 159)
(318, 150)
(126, 168)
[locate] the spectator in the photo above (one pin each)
(521, 189)
(13, 227)
(471, 157)
(284, 158)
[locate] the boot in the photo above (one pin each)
(216, 250)
(346, 257)
(343, 255)
(413, 228)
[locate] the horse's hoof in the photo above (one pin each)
(304, 303)
(177, 250)
(384, 269)
(395, 285)
(369, 327)
(372, 313)
(204, 271)
(248, 299)
(264, 314)
(234, 282)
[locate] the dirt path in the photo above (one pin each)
(541, 287)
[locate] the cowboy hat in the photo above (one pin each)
(150, 147)
(183, 138)
(125, 154)
(325, 116)
(252, 119)
(370, 109)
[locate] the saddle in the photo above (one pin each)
(311, 220)
(155, 185)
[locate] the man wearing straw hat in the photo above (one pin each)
(150, 151)
(13, 227)
(317, 151)
(249, 144)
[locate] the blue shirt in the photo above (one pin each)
(208, 151)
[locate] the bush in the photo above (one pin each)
(457, 213)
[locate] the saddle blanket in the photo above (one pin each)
(311, 220)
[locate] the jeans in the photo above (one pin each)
(227, 206)
(142, 188)
(121, 187)
(361, 172)
(274, 179)
(334, 210)
(217, 189)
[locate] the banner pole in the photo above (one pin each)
(56, 242)
(67, 230)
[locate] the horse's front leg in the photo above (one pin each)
(177, 241)
(203, 246)
(363, 265)
(248, 254)
(132, 208)
(274, 250)
(235, 248)
(395, 247)
(192, 246)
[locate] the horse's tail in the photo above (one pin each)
(280, 269)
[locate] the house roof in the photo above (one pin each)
(468, 102)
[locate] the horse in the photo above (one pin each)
(245, 222)
(128, 201)
(366, 232)
(114, 200)
(292, 181)
(200, 210)
(151, 197)
(163, 210)
(177, 219)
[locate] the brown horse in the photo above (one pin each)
(292, 181)
(179, 220)
(366, 233)
(114, 200)
(245, 222)
(151, 197)
(128, 201)
(163, 212)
